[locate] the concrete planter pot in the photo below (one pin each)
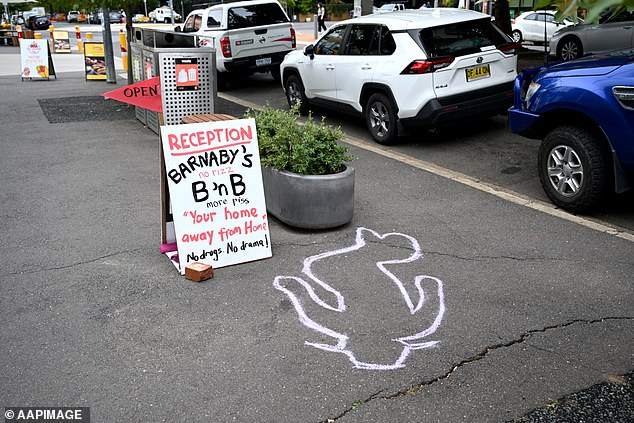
(310, 201)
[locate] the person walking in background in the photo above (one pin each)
(321, 17)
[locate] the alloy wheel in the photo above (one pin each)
(379, 119)
(294, 94)
(569, 50)
(565, 170)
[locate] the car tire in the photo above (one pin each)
(295, 93)
(573, 168)
(569, 49)
(516, 35)
(380, 119)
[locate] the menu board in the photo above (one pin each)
(95, 61)
(61, 42)
(216, 191)
(34, 58)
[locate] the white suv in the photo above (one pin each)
(249, 36)
(407, 69)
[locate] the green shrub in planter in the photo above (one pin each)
(307, 149)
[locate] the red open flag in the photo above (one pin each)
(145, 94)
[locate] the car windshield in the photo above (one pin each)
(460, 38)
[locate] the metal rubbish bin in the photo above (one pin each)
(146, 47)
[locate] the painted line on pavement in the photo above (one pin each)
(239, 101)
(487, 187)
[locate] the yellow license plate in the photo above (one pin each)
(478, 72)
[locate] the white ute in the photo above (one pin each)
(249, 36)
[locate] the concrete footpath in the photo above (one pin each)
(506, 310)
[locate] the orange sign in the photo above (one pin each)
(145, 94)
(186, 74)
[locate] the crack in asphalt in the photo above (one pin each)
(68, 266)
(479, 356)
(355, 405)
(515, 258)
(488, 258)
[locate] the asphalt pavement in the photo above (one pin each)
(525, 313)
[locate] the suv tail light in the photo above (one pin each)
(225, 46)
(419, 67)
(293, 38)
(510, 48)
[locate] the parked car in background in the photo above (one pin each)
(164, 15)
(140, 18)
(530, 26)
(613, 32)
(38, 22)
(115, 16)
(72, 16)
(583, 111)
(408, 69)
(249, 36)
(97, 17)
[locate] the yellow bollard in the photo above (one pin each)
(51, 28)
(89, 36)
(80, 46)
(37, 35)
(124, 49)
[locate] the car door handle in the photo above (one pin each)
(366, 67)
(330, 67)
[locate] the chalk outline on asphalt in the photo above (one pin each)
(408, 342)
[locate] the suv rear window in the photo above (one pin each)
(460, 38)
(255, 15)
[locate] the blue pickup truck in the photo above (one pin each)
(583, 111)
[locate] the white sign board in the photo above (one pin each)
(215, 184)
(34, 58)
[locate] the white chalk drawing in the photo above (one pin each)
(410, 343)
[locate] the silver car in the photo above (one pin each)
(611, 33)
(530, 26)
